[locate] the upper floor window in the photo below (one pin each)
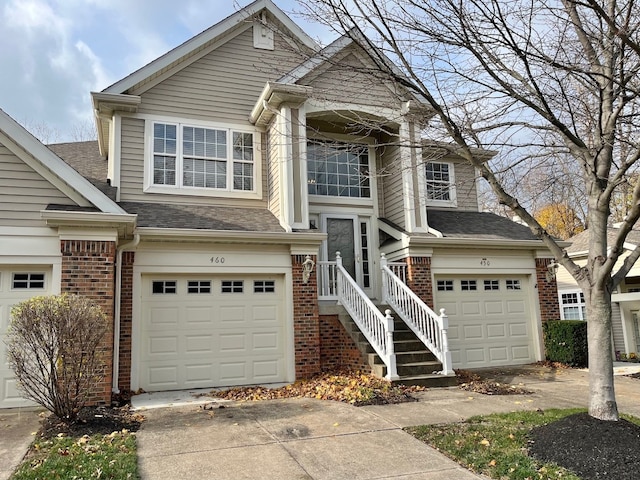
(440, 183)
(338, 169)
(572, 306)
(198, 157)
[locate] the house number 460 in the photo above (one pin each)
(217, 260)
(484, 262)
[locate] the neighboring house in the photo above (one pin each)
(625, 300)
(223, 171)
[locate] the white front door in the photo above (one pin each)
(349, 235)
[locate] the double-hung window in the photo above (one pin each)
(197, 157)
(572, 306)
(440, 183)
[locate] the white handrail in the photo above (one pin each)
(374, 325)
(327, 280)
(429, 327)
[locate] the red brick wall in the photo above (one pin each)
(419, 278)
(126, 319)
(547, 291)
(337, 349)
(88, 269)
(306, 324)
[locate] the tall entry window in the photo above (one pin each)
(338, 169)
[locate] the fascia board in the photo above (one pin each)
(314, 62)
(465, 243)
(125, 223)
(207, 36)
(231, 235)
(55, 169)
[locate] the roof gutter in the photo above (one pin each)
(226, 236)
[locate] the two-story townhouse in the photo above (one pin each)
(227, 175)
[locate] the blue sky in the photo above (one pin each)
(54, 52)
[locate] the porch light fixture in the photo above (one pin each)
(552, 270)
(307, 268)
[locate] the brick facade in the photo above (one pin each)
(306, 322)
(419, 278)
(337, 349)
(126, 321)
(88, 269)
(547, 291)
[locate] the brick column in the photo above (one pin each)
(306, 323)
(88, 269)
(419, 278)
(126, 321)
(547, 291)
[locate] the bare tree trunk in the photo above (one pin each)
(602, 399)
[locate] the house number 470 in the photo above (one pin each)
(484, 262)
(217, 260)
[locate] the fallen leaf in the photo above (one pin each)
(492, 463)
(485, 442)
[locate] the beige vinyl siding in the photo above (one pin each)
(466, 191)
(390, 177)
(616, 325)
(24, 192)
(273, 167)
(222, 86)
(349, 82)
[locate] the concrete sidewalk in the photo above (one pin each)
(17, 429)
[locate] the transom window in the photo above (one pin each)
(514, 285)
(164, 287)
(28, 281)
(338, 169)
(232, 286)
(468, 285)
(264, 286)
(440, 182)
(199, 286)
(186, 156)
(492, 285)
(572, 306)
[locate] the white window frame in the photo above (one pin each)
(581, 304)
(453, 201)
(179, 188)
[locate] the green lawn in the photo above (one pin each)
(105, 457)
(496, 445)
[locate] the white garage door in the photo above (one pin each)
(16, 284)
(200, 331)
(490, 320)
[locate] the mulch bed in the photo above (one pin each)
(592, 448)
(91, 421)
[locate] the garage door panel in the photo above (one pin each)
(487, 327)
(164, 316)
(472, 332)
(470, 308)
(494, 307)
(215, 337)
(496, 330)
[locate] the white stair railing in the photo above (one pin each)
(374, 325)
(428, 326)
(327, 280)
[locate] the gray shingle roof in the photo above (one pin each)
(481, 225)
(580, 242)
(158, 215)
(85, 158)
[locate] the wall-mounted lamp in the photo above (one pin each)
(307, 268)
(552, 270)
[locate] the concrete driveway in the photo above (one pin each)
(312, 439)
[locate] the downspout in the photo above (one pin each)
(116, 326)
(435, 232)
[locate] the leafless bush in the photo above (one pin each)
(53, 350)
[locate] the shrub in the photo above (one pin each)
(53, 350)
(565, 341)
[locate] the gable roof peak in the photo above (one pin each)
(206, 37)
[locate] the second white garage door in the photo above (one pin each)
(490, 319)
(200, 331)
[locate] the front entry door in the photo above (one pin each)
(636, 328)
(347, 235)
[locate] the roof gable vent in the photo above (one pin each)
(262, 34)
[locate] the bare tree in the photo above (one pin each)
(542, 82)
